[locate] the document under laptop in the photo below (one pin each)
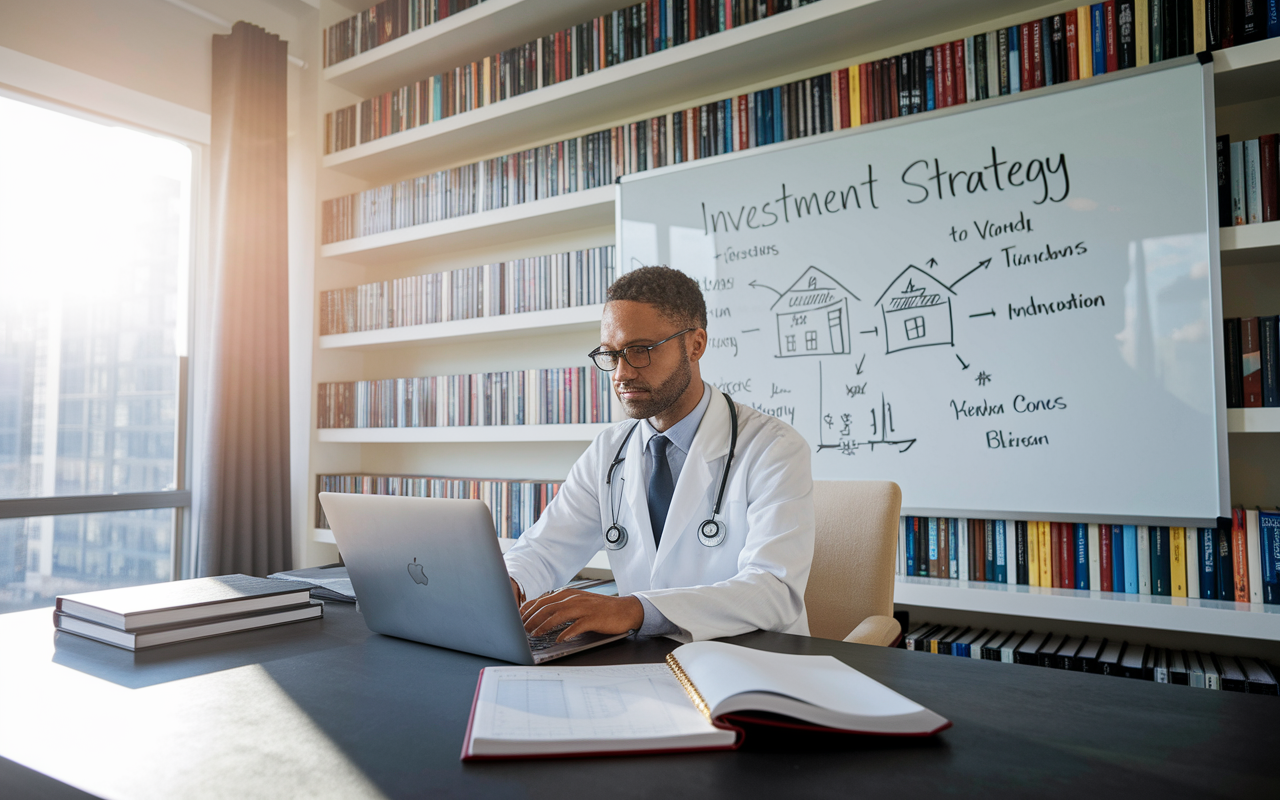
(430, 570)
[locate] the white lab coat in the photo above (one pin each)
(754, 580)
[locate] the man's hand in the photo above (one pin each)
(587, 612)
(517, 591)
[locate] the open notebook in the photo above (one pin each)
(698, 700)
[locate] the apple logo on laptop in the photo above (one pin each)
(415, 572)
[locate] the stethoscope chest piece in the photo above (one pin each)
(615, 537)
(712, 532)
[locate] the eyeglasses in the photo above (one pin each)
(637, 355)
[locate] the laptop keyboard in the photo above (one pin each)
(545, 640)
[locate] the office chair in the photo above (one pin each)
(850, 591)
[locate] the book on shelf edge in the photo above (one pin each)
(1239, 555)
(707, 696)
(157, 635)
(174, 602)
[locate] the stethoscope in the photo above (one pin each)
(712, 531)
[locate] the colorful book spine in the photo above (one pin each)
(1269, 532)
(1239, 556)
(1081, 567)
(1177, 562)
(1208, 551)
(1130, 559)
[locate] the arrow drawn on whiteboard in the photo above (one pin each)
(981, 265)
(990, 313)
(755, 285)
(859, 367)
(933, 262)
(963, 365)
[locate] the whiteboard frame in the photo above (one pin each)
(1215, 268)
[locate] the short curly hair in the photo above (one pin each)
(676, 296)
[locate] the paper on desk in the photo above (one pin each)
(630, 702)
(332, 583)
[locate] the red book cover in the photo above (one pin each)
(876, 105)
(1055, 555)
(1251, 359)
(1104, 557)
(1240, 554)
(1025, 57)
(887, 68)
(1037, 54)
(842, 86)
(1109, 22)
(864, 93)
(962, 74)
(891, 69)
(949, 73)
(1267, 158)
(1066, 554)
(939, 78)
(980, 548)
(1073, 48)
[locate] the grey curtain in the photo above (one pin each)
(243, 515)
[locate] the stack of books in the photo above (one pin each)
(140, 617)
(1097, 655)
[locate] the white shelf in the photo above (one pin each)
(503, 326)
(803, 38)
(584, 432)
(476, 32)
(1220, 618)
(576, 211)
(1253, 420)
(1246, 73)
(1250, 244)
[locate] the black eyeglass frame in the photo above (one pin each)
(622, 354)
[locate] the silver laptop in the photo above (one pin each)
(430, 570)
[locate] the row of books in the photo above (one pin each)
(566, 395)
(1097, 655)
(382, 23)
(537, 283)
(1253, 361)
(1238, 562)
(1005, 61)
(515, 504)
(1248, 180)
(140, 617)
(614, 38)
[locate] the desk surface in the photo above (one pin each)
(328, 709)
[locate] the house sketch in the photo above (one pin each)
(813, 317)
(917, 311)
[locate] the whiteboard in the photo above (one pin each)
(1011, 309)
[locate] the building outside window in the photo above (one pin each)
(95, 250)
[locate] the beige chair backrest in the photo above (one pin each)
(854, 554)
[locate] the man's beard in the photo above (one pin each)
(660, 397)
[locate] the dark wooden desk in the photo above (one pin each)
(328, 709)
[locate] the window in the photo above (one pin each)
(94, 258)
(810, 340)
(791, 342)
(915, 327)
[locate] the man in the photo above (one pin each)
(648, 491)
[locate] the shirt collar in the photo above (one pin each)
(681, 434)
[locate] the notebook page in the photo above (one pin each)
(568, 709)
(721, 671)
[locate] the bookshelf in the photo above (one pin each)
(1212, 617)
(805, 41)
(529, 323)
(583, 432)
(803, 38)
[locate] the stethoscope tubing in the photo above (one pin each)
(712, 531)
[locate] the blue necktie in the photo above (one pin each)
(661, 486)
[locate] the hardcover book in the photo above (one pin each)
(177, 602)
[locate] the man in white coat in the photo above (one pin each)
(658, 479)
